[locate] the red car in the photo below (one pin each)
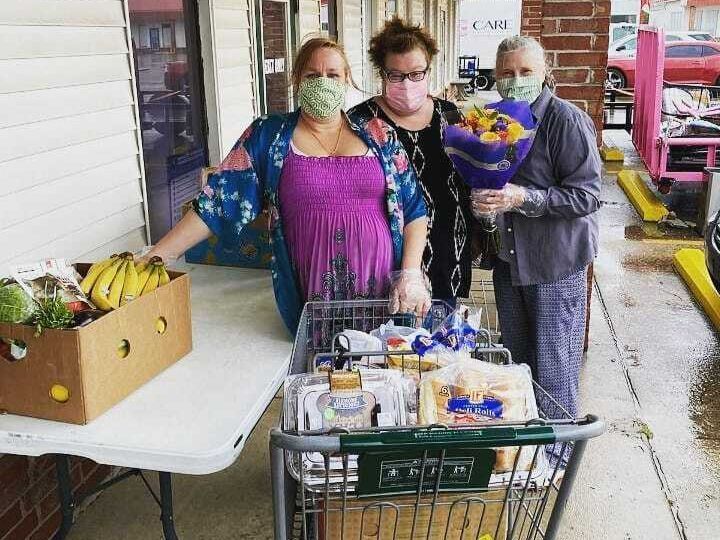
(686, 62)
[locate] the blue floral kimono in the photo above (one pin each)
(250, 175)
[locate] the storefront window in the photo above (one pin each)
(167, 71)
(708, 19)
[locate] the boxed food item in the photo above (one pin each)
(76, 374)
(347, 399)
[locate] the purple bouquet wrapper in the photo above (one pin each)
(490, 165)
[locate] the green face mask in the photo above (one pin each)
(321, 97)
(526, 88)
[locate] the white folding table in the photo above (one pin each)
(193, 418)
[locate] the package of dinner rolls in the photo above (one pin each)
(474, 391)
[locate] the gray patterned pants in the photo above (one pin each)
(544, 327)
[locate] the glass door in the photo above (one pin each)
(172, 114)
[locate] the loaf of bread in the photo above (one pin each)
(473, 391)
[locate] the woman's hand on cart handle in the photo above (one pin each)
(409, 292)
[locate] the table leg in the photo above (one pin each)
(65, 494)
(166, 506)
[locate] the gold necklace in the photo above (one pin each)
(337, 141)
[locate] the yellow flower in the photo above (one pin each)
(489, 136)
(472, 116)
(486, 124)
(515, 131)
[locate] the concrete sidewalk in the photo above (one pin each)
(652, 372)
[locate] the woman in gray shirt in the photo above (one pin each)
(548, 225)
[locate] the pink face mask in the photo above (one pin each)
(406, 97)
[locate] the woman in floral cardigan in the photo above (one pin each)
(347, 219)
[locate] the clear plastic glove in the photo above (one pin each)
(529, 202)
(145, 253)
(409, 292)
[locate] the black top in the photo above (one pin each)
(446, 260)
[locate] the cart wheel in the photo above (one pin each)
(483, 81)
(616, 79)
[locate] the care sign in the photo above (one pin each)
(483, 24)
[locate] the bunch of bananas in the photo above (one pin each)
(118, 280)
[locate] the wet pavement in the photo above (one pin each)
(668, 353)
(652, 372)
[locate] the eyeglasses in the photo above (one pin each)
(399, 76)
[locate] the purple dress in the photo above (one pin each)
(336, 225)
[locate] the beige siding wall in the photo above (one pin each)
(232, 74)
(69, 146)
(351, 35)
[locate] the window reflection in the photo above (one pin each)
(164, 35)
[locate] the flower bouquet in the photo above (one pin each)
(489, 144)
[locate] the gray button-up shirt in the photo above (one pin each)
(565, 165)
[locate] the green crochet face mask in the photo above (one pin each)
(526, 88)
(321, 97)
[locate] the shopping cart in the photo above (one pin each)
(412, 482)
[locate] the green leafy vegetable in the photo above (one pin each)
(16, 306)
(52, 313)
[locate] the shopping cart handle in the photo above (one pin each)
(589, 427)
(429, 437)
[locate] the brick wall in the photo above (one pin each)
(575, 35)
(275, 46)
(29, 506)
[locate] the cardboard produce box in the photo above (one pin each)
(457, 516)
(98, 365)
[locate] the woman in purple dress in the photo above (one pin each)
(347, 220)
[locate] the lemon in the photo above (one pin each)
(161, 325)
(59, 393)
(123, 349)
